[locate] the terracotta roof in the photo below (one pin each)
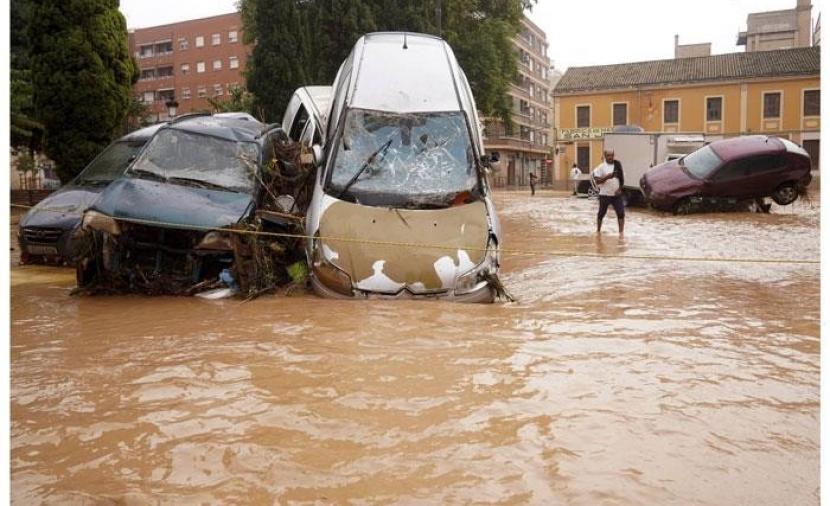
(723, 67)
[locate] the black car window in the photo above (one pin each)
(112, 162)
(732, 170)
(765, 163)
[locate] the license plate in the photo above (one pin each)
(42, 250)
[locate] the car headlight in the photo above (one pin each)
(99, 221)
(476, 279)
(327, 273)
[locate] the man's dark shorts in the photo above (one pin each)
(616, 201)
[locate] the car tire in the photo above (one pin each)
(785, 194)
(683, 206)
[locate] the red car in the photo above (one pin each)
(740, 168)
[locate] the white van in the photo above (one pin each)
(401, 206)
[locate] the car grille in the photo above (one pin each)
(42, 235)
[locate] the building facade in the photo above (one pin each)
(774, 93)
(188, 62)
(526, 147)
(782, 29)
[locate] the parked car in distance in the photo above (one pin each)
(152, 224)
(403, 163)
(739, 168)
(45, 232)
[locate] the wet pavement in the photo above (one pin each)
(610, 381)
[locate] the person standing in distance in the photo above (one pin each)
(609, 177)
(533, 179)
(575, 173)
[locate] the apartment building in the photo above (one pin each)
(525, 147)
(188, 62)
(771, 92)
(782, 29)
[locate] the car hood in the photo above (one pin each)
(170, 205)
(62, 209)
(669, 177)
(375, 244)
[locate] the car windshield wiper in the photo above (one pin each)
(380, 151)
(200, 183)
(150, 173)
(94, 182)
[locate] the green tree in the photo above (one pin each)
(279, 62)
(239, 101)
(81, 76)
(25, 130)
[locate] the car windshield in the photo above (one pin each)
(701, 163)
(403, 159)
(199, 160)
(111, 163)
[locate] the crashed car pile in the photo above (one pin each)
(189, 213)
(371, 187)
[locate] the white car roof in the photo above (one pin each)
(405, 72)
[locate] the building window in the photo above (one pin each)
(714, 109)
(233, 62)
(185, 93)
(145, 51)
(217, 64)
(772, 105)
(217, 90)
(200, 67)
(202, 91)
(149, 97)
(215, 39)
(200, 41)
(182, 43)
(147, 74)
(164, 72)
(620, 114)
(185, 68)
(165, 47)
(233, 36)
(167, 95)
(671, 111)
(583, 116)
(812, 102)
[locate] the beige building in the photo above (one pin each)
(782, 29)
(526, 148)
(773, 93)
(691, 50)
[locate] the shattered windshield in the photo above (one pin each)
(701, 163)
(111, 162)
(199, 160)
(403, 159)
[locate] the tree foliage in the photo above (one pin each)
(239, 101)
(313, 38)
(81, 77)
(24, 129)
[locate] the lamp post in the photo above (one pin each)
(172, 107)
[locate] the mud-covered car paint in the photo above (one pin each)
(46, 231)
(164, 203)
(667, 184)
(407, 242)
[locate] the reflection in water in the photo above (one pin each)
(610, 381)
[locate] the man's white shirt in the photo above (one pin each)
(608, 188)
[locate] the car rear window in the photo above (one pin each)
(702, 162)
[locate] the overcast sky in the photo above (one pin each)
(580, 32)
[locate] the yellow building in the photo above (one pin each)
(769, 92)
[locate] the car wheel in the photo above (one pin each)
(785, 194)
(683, 206)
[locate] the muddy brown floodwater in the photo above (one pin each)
(610, 381)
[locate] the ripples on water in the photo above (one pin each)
(610, 381)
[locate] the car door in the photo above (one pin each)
(726, 181)
(765, 173)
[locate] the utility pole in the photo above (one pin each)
(438, 16)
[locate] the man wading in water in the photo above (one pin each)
(609, 177)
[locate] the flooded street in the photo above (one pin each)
(609, 381)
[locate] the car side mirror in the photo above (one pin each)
(317, 155)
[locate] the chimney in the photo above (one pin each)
(676, 43)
